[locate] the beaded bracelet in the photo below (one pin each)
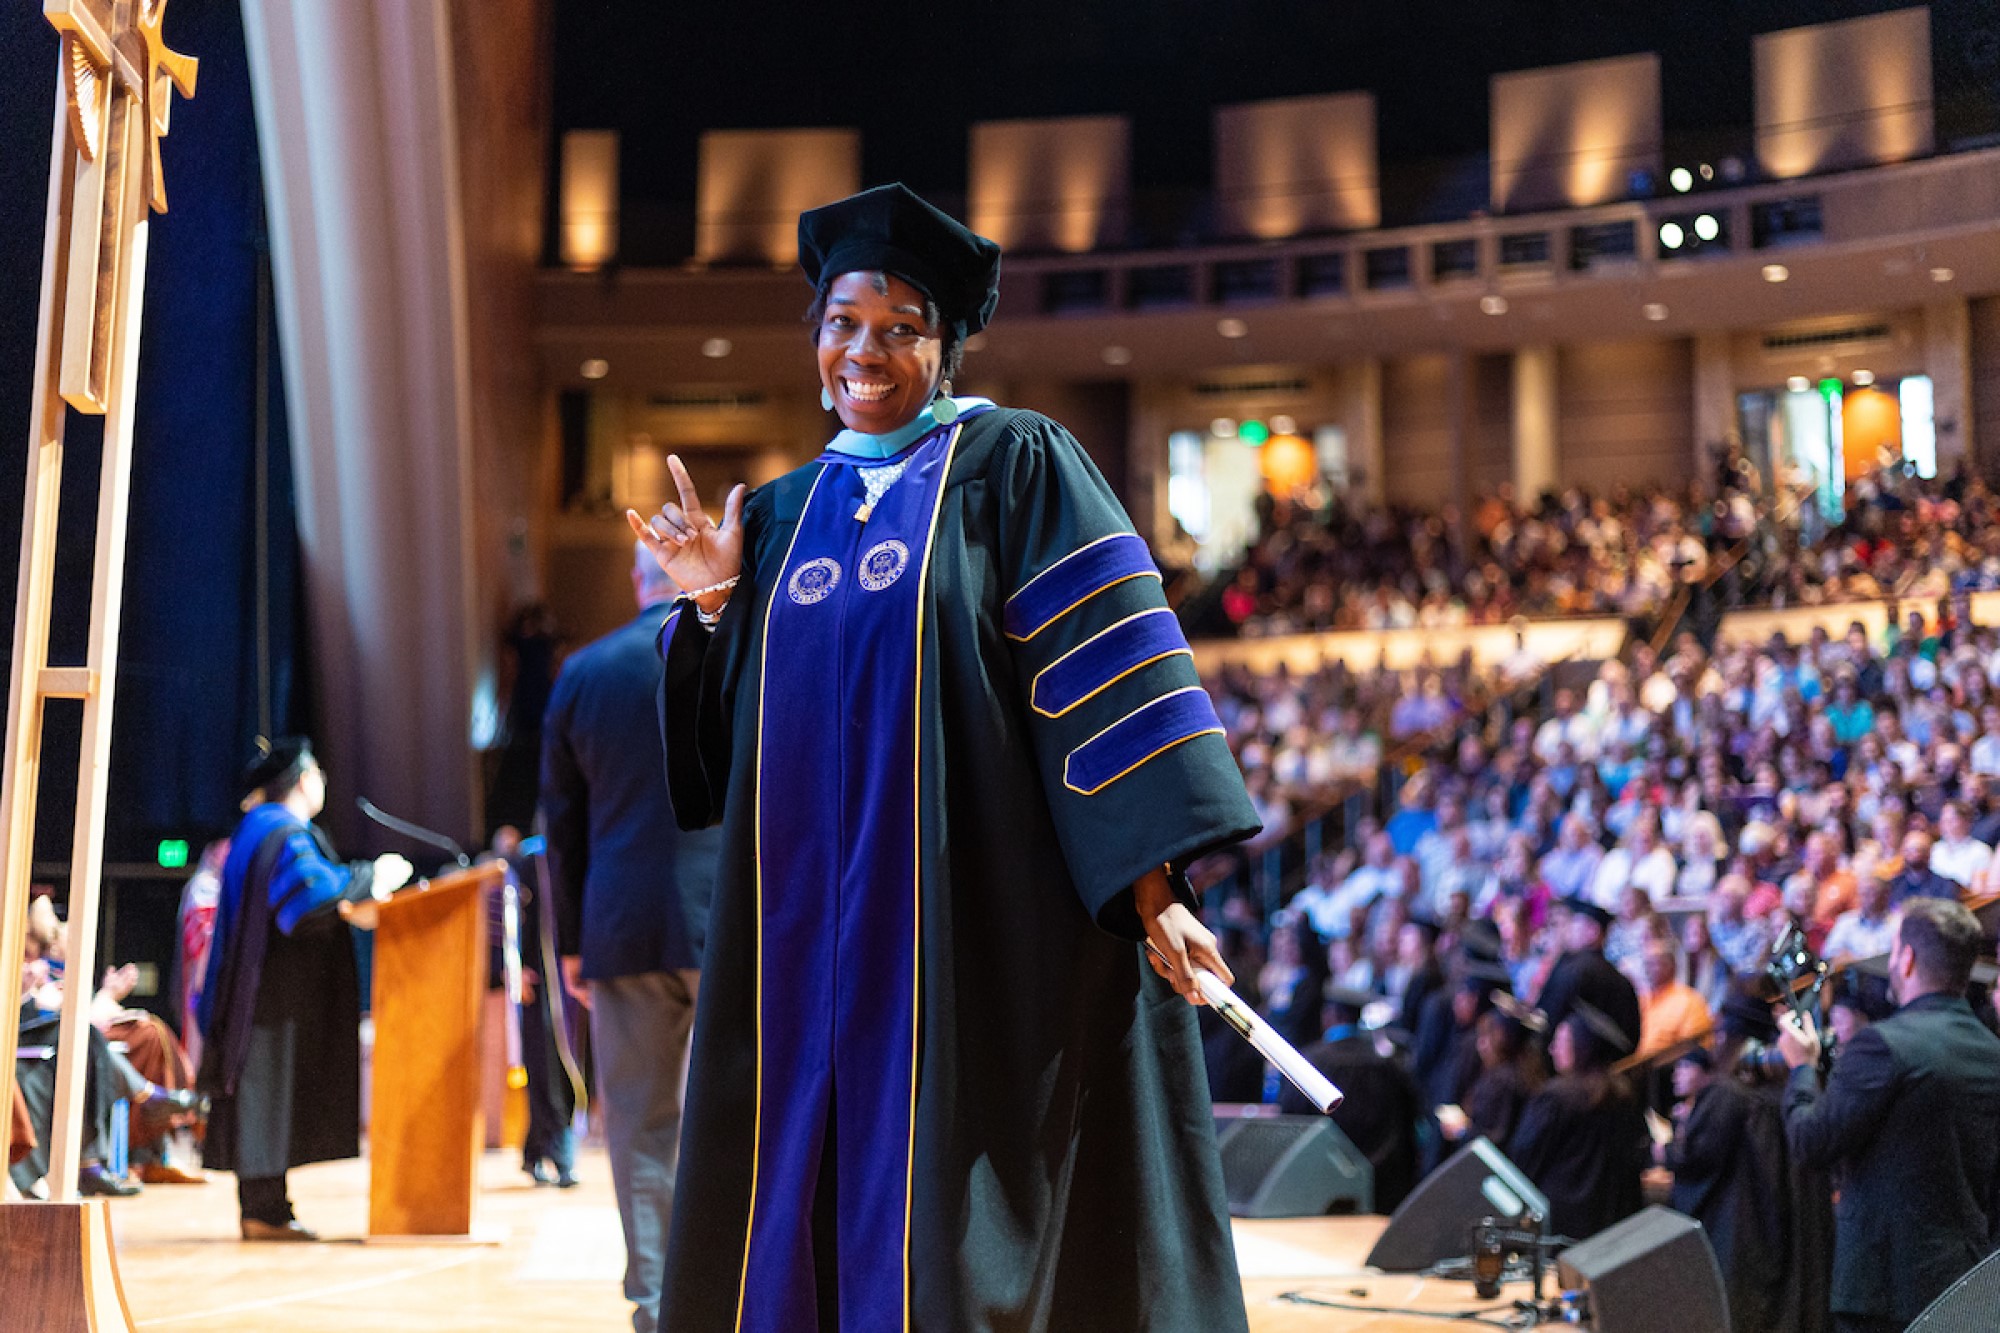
(724, 586)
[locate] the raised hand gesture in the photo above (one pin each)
(693, 549)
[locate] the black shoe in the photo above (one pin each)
(566, 1178)
(538, 1171)
(96, 1182)
(292, 1232)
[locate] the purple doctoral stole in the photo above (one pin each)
(838, 895)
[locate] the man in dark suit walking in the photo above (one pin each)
(631, 895)
(1912, 1115)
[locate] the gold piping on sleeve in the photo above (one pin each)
(1140, 763)
(1035, 688)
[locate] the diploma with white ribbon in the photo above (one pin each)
(1250, 1025)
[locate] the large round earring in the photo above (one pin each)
(825, 399)
(944, 411)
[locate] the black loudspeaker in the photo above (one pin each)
(1436, 1221)
(1655, 1272)
(1291, 1166)
(1969, 1305)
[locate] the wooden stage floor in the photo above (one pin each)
(560, 1261)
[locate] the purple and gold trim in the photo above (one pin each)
(1142, 735)
(1074, 580)
(1104, 659)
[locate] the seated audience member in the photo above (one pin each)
(1332, 911)
(1581, 973)
(1571, 866)
(1582, 1139)
(1741, 938)
(1957, 855)
(1911, 1117)
(1832, 882)
(1701, 966)
(1670, 1010)
(1915, 878)
(1290, 982)
(1869, 929)
(1640, 859)
(1382, 1107)
(110, 1077)
(1701, 856)
(1728, 1163)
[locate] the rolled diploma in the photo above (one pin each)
(1253, 1029)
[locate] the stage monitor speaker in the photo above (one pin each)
(1436, 1220)
(1291, 1166)
(1655, 1272)
(1968, 1305)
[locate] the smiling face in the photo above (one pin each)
(879, 356)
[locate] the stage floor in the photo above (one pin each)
(560, 1259)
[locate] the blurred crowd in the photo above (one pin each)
(1324, 560)
(1555, 920)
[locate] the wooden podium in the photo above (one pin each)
(426, 1123)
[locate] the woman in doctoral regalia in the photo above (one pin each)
(281, 1010)
(930, 687)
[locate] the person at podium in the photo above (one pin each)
(281, 1009)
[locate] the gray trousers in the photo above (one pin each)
(639, 1028)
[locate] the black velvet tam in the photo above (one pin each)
(276, 763)
(889, 229)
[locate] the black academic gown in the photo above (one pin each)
(1585, 974)
(1582, 1140)
(1495, 1101)
(1062, 1165)
(1379, 1115)
(1728, 1162)
(281, 1060)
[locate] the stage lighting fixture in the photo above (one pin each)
(1681, 179)
(594, 369)
(1654, 311)
(1223, 428)
(1707, 172)
(1117, 356)
(1284, 425)
(1798, 384)
(1776, 273)
(1706, 227)
(1231, 328)
(717, 348)
(1671, 235)
(1942, 275)
(1493, 305)
(1863, 378)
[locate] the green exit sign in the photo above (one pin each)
(173, 853)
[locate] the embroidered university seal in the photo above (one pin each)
(814, 581)
(883, 564)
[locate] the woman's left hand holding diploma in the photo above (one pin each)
(1178, 935)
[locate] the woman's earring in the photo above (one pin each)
(944, 411)
(825, 399)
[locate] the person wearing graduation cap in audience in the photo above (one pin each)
(1583, 1139)
(1383, 1105)
(1746, 1055)
(281, 1010)
(1583, 973)
(1728, 1163)
(1511, 1072)
(930, 687)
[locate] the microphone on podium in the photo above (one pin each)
(415, 832)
